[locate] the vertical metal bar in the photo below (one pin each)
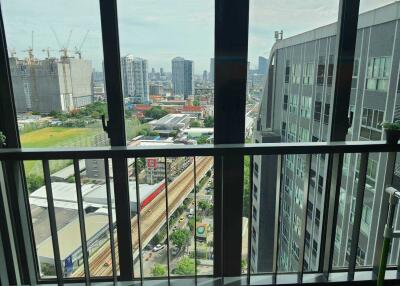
(82, 226)
(138, 215)
(231, 41)
(362, 176)
(218, 222)
(339, 123)
(250, 222)
(53, 223)
(306, 191)
(329, 218)
(110, 219)
(3, 268)
(21, 270)
(167, 216)
(116, 133)
(277, 214)
(195, 219)
(389, 173)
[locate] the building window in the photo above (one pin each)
(303, 134)
(366, 219)
(305, 106)
(296, 73)
(378, 73)
(321, 70)
(256, 169)
(310, 207)
(296, 250)
(287, 71)
(371, 118)
(317, 110)
(300, 167)
(293, 103)
(297, 224)
(330, 71)
(255, 192)
(315, 139)
(320, 184)
(298, 197)
(290, 159)
(317, 217)
(292, 132)
(355, 74)
(254, 234)
(307, 239)
(308, 78)
(285, 101)
(283, 129)
(254, 213)
(326, 113)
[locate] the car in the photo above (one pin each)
(181, 219)
(175, 250)
(158, 247)
(189, 215)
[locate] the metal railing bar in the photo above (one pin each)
(198, 150)
(110, 219)
(138, 214)
(250, 222)
(362, 176)
(167, 217)
(306, 191)
(53, 223)
(277, 214)
(82, 226)
(388, 179)
(195, 218)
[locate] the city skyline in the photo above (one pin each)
(184, 29)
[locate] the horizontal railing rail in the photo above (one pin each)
(197, 150)
(190, 179)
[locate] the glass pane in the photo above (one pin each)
(167, 70)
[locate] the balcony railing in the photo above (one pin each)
(203, 157)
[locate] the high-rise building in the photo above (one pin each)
(135, 79)
(51, 84)
(262, 65)
(296, 106)
(205, 77)
(211, 76)
(183, 77)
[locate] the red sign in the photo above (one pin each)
(151, 163)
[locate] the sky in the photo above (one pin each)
(158, 30)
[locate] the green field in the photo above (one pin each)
(56, 137)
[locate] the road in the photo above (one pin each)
(153, 217)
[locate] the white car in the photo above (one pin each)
(158, 247)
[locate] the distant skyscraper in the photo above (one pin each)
(182, 76)
(211, 76)
(161, 71)
(262, 65)
(135, 78)
(205, 76)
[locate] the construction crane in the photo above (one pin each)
(64, 59)
(78, 51)
(30, 52)
(47, 51)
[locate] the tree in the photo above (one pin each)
(196, 102)
(195, 123)
(204, 205)
(155, 112)
(34, 182)
(209, 122)
(158, 270)
(180, 237)
(185, 266)
(202, 139)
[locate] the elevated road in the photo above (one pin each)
(153, 217)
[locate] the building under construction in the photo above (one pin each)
(51, 84)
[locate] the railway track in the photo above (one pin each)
(153, 216)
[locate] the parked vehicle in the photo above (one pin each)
(158, 247)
